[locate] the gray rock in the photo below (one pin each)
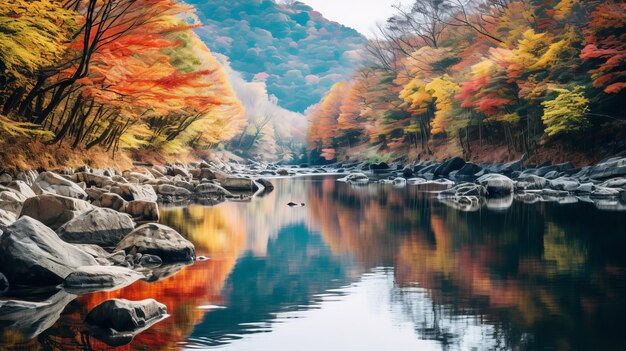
(496, 184)
(615, 183)
(600, 191)
(585, 188)
(178, 170)
(94, 194)
(265, 183)
(282, 172)
(28, 177)
(6, 219)
(130, 192)
(211, 190)
(120, 315)
(99, 226)
(99, 278)
(239, 184)
(356, 178)
(54, 210)
(142, 211)
(91, 179)
(614, 167)
(112, 201)
(5, 178)
(159, 240)
(31, 253)
(531, 182)
(22, 188)
(171, 190)
(11, 201)
(51, 183)
(453, 164)
(566, 184)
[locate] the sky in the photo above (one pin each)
(361, 15)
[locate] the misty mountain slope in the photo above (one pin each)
(294, 49)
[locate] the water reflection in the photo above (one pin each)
(379, 267)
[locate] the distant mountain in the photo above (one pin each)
(294, 49)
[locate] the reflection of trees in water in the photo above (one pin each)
(539, 273)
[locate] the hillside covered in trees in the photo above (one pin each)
(449, 77)
(294, 49)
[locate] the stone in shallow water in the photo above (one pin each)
(159, 240)
(100, 278)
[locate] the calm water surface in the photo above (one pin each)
(379, 268)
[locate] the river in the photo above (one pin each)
(378, 268)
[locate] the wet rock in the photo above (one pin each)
(6, 219)
(416, 181)
(54, 210)
(496, 184)
(293, 204)
(159, 240)
(468, 171)
(617, 183)
(11, 201)
(399, 182)
(131, 192)
(282, 172)
(99, 278)
(585, 188)
(31, 253)
(453, 164)
(552, 175)
(605, 192)
(125, 315)
(51, 183)
(99, 226)
(239, 184)
(212, 190)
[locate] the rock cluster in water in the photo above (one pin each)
(469, 187)
(95, 230)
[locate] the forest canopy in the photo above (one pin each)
(445, 77)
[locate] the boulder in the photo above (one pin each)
(130, 192)
(611, 168)
(142, 211)
(600, 191)
(112, 201)
(102, 256)
(496, 184)
(54, 210)
(239, 184)
(11, 201)
(211, 190)
(566, 184)
(22, 188)
(51, 183)
(31, 253)
(99, 278)
(94, 194)
(468, 171)
(28, 177)
(617, 183)
(172, 190)
(282, 172)
(159, 240)
(531, 182)
(453, 164)
(120, 315)
(6, 219)
(91, 179)
(99, 226)
(178, 170)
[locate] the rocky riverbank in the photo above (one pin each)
(73, 232)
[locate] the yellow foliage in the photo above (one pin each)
(415, 97)
(443, 90)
